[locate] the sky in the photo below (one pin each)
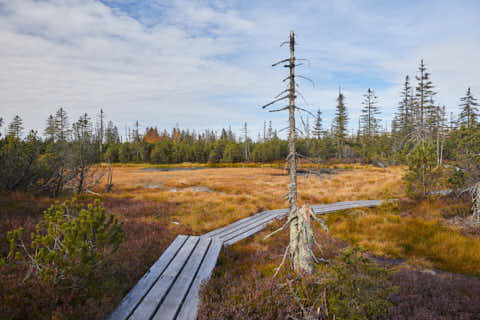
(207, 64)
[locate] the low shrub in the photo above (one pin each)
(70, 243)
(351, 287)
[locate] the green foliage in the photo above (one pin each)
(358, 288)
(423, 173)
(457, 180)
(70, 243)
(232, 153)
(19, 161)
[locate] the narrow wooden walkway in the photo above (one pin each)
(169, 290)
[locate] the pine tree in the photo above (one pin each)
(50, 129)
(424, 102)
(62, 129)
(469, 114)
(318, 127)
(15, 129)
(111, 133)
(369, 121)
(404, 115)
(340, 123)
(1, 124)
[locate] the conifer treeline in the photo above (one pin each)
(417, 117)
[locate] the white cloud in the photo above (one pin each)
(206, 63)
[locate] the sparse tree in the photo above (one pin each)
(15, 128)
(101, 129)
(425, 109)
(246, 144)
(469, 114)
(318, 127)
(340, 123)
(50, 129)
(405, 113)
(62, 125)
(84, 156)
(301, 244)
(369, 120)
(111, 133)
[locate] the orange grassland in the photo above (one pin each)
(239, 192)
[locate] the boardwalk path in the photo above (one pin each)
(169, 290)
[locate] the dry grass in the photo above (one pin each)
(415, 232)
(240, 192)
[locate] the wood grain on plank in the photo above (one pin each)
(172, 302)
(154, 297)
(133, 298)
(190, 305)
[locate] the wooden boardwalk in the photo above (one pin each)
(169, 290)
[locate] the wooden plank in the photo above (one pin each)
(234, 237)
(238, 223)
(241, 229)
(135, 295)
(174, 299)
(189, 308)
(241, 236)
(154, 297)
(244, 224)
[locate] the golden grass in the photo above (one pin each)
(422, 237)
(240, 192)
(416, 233)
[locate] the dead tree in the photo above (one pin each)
(302, 240)
(474, 192)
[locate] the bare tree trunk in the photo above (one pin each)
(475, 192)
(301, 234)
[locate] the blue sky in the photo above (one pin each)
(206, 64)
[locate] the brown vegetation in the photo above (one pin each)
(153, 215)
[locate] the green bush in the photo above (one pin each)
(423, 173)
(358, 288)
(70, 244)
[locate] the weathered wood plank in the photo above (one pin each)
(239, 223)
(245, 234)
(154, 297)
(135, 295)
(172, 302)
(190, 305)
(243, 228)
(248, 230)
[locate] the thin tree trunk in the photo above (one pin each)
(301, 234)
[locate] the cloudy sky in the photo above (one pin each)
(207, 64)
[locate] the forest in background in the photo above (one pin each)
(65, 157)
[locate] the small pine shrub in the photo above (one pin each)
(358, 288)
(423, 173)
(69, 245)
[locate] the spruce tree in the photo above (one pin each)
(318, 127)
(404, 115)
(469, 114)
(62, 126)
(50, 129)
(369, 120)
(425, 110)
(15, 129)
(111, 134)
(340, 123)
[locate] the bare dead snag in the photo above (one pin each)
(301, 232)
(109, 184)
(302, 241)
(475, 194)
